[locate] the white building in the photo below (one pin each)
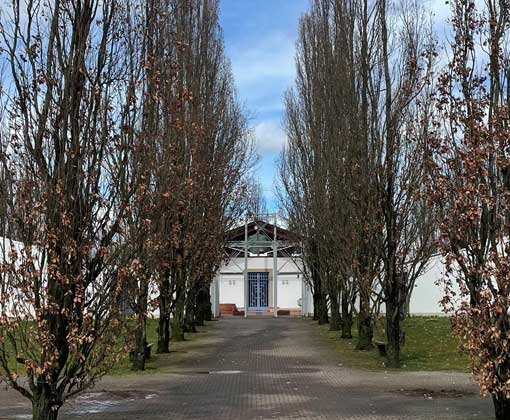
(264, 267)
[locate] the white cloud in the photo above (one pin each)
(271, 56)
(263, 69)
(269, 137)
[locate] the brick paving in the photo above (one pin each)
(263, 368)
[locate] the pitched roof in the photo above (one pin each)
(261, 228)
(260, 237)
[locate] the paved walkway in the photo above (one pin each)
(262, 368)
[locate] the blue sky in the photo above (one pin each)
(260, 38)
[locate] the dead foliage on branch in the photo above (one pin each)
(124, 159)
(468, 177)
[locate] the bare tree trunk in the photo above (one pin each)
(163, 335)
(365, 322)
(322, 309)
(203, 306)
(365, 325)
(501, 407)
(207, 306)
(346, 316)
(388, 205)
(320, 302)
(316, 303)
(178, 316)
(139, 354)
(190, 313)
(43, 408)
(393, 333)
(164, 319)
(335, 323)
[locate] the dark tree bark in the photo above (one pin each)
(501, 407)
(365, 324)
(164, 320)
(322, 309)
(316, 303)
(177, 330)
(163, 335)
(190, 313)
(43, 405)
(203, 306)
(346, 316)
(139, 351)
(336, 321)
(207, 305)
(393, 334)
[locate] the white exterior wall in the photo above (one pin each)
(289, 287)
(425, 298)
(428, 290)
(307, 300)
(289, 291)
(236, 265)
(427, 293)
(232, 290)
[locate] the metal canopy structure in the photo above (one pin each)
(260, 236)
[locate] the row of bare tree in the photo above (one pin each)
(398, 150)
(124, 158)
(352, 174)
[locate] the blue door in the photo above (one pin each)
(258, 286)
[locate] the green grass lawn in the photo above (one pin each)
(195, 346)
(429, 346)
